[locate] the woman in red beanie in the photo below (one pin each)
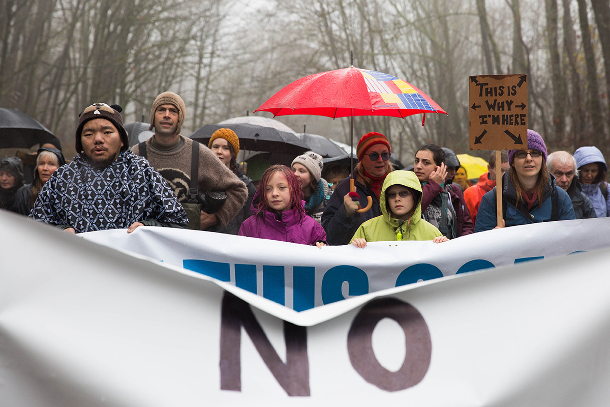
(340, 218)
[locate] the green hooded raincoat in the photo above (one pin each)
(385, 228)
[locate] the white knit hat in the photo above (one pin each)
(313, 162)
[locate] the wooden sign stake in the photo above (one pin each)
(499, 187)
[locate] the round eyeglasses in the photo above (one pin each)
(524, 153)
(375, 156)
(402, 194)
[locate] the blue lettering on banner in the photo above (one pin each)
(524, 259)
(303, 288)
(304, 279)
(274, 284)
(333, 280)
(474, 265)
(245, 277)
(416, 272)
(219, 271)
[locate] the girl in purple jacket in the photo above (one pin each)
(279, 211)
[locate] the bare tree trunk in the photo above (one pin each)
(490, 48)
(575, 100)
(601, 9)
(518, 65)
(556, 74)
(593, 104)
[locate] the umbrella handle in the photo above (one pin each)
(352, 188)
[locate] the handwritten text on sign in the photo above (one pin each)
(498, 112)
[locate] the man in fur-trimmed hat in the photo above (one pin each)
(106, 186)
(171, 154)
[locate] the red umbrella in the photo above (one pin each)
(350, 92)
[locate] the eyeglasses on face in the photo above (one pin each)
(524, 153)
(375, 156)
(402, 194)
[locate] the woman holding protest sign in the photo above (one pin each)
(529, 193)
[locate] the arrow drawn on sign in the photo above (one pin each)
(516, 139)
(474, 79)
(522, 106)
(477, 140)
(475, 106)
(522, 79)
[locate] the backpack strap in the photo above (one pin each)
(142, 150)
(193, 188)
(554, 206)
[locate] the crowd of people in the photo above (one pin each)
(173, 181)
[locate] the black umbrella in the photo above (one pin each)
(321, 145)
(138, 132)
(18, 130)
(256, 138)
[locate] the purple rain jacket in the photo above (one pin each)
(285, 226)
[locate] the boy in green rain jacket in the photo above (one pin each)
(400, 203)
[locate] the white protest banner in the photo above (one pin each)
(302, 277)
(83, 324)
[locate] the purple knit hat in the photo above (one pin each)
(534, 142)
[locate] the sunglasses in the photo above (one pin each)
(375, 156)
(533, 154)
(402, 194)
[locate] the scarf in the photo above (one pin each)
(376, 183)
(316, 199)
(530, 199)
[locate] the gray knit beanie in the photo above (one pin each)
(313, 162)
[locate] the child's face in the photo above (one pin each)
(400, 206)
(277, 192)
(302, 174)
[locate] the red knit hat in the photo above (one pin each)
(370, 139)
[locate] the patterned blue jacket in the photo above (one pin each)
(87, 199)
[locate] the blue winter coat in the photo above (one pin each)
(486, 217)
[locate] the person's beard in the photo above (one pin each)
(100, 164)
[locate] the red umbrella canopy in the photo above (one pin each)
(350, 92)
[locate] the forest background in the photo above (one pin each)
(226, 57)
